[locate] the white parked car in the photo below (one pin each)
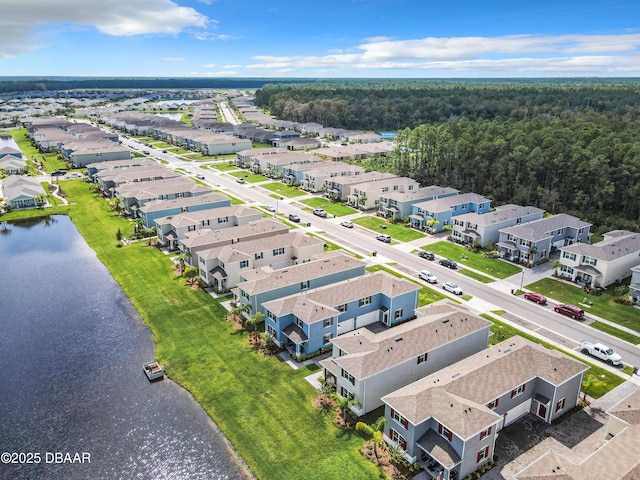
(428, 276)
(347, 223)
(452, 287)
(270, 208)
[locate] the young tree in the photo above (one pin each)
(343, 404)
(118, 235)
(255, 319)
(191, 273)
(182, 258)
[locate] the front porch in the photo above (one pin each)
(438, 457)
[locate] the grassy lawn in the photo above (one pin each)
(491, 266)
(602, 304)
(263, 406)
(476, 276)
(50, 160)
(603, 380)
(224, 167)
(616, 332)
(426, 295)
(248, 176)
(397, 231)
(234, 200)
(282, 190)
(332, 208)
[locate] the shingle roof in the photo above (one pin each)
(446, 203)
(616, 246)
(501, 214)
(338, 294)
(485, 376)
(368, 353)
(160, 205)
(197, 216)
(540, 229)
(15, 186)
(245, 250)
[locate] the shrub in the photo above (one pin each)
(364, 430)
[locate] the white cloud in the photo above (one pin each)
(173, 59)
(580, 54)
(20, 19)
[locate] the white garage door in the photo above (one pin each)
(516, 412)
(367, 319)
(345, 326)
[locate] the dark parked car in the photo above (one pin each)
(426, 255)
(294, 218)
(446, 262)
(536, 297)
(570, 311)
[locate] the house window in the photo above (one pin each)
(327, 322)
(244, 263)
(223, 220)
(398, 314)
(395, 188)
(258, 255)
(244, 294)
(482, 454)
(400, 419)
(493, 404)
(560, 405)
(271, 315)
(191, 228)
(342, 308)
(485, 433)
(422, 358)
(517, 391)
(271, 331)
(344, 393)
(205, 223)
(327, 338)
(445, 432)
(399, 439)
(364, 301)
(278, 251)
(304, 285)
(385, 189)
(300, 323)
(348, 376)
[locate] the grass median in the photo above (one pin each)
(263, 406)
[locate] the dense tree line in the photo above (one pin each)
(589, 167)
(12, 84)
(563, 145)
(393, 105)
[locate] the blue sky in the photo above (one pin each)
(330, 38)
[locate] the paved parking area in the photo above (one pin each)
(576, 436)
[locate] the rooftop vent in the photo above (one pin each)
(445, 320)
(397, 339)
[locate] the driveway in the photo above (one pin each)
(575, 436)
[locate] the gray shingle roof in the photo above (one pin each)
(621, 244)
(540, 229)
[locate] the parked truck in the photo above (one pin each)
(600, 351)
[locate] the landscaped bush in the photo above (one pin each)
(364, 430)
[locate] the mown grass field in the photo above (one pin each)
(489, 266)
(262, 405)
(602, 305)
(397, 230)
(281, 190)
(332, 208)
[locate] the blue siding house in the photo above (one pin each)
(433, 215)
(306, 322)
(164, 208)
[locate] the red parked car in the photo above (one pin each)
(536, 297)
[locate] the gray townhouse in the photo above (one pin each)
(221, 267)
(634, 286)
(173, 229)
(484, 228)
(21, 192)
(604, 263)
(305, 323)
(109, 180)
(245, 157)
(12, 165)
(313, 180)
(449, 420)
(92, 153)
(339, 188)
(367, 364)
(366, 196)
(200, 243)
(264, 284)
(616, 456)
(132, 196)
(396, 205)
(534, 241)
(96, 167)
(294, 144)
(155, 209)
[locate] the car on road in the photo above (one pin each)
(187, 170)
(452, 287)
(383, 237)
(600, 351)
(447, 262)
(57, 173)
(426, 255)
(164, 151)
(536, 297)
(427, 276)
(146, 152)
(570, 311)
(240, 180)
(270, 208)
(319, 212)
(294, 218)
(200, 176)
(347, 223)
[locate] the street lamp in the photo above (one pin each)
(522, 280)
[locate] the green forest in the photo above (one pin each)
(566, 146)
